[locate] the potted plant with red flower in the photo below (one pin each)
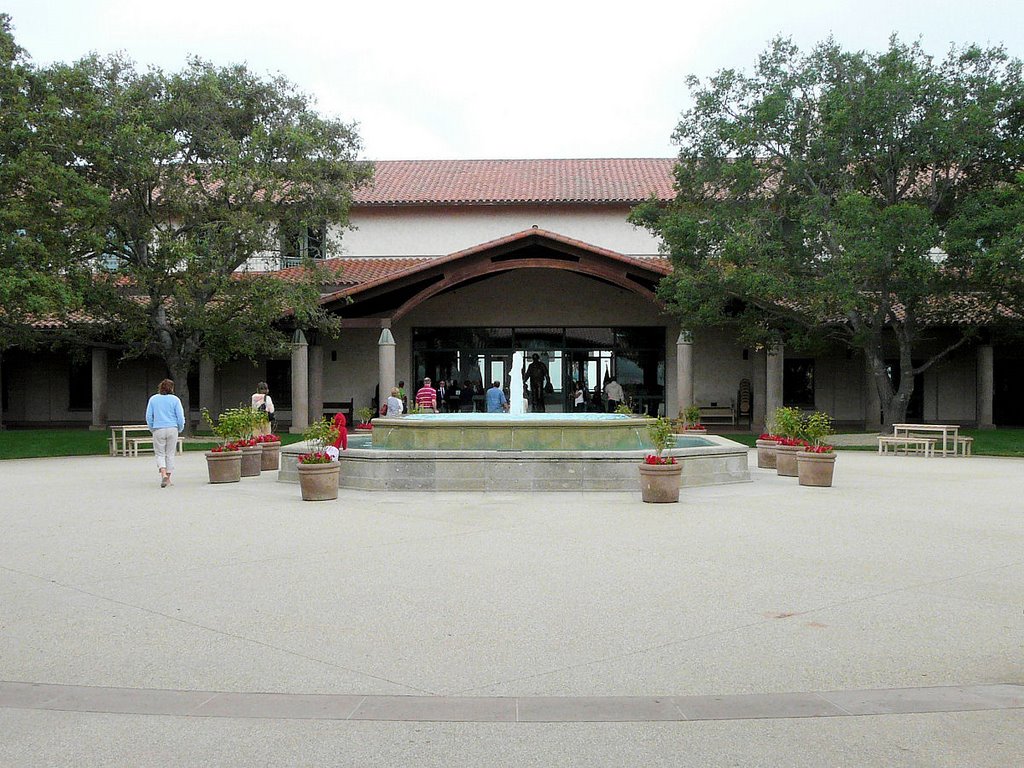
(789, 424)
(224, 461)
(271, 458)
(690, 418)
(660, 475)
(816, 464)
(319, 473)
(364, 415)
(766, 444)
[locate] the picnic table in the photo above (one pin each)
(127, 439)
(950, 434)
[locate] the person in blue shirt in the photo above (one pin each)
(165, 418)
(495, 399)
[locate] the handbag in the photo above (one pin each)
(549, 388)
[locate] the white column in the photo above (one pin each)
(773, 381)
(684, 372)
(207, 387)
(300, 383)
(872, 402)
(385, 363)
(316, 382)
(985, 386)
(758, 389)
(99, 388)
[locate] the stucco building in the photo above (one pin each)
(453, 265)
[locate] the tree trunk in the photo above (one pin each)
(894, 402)
(179, 374)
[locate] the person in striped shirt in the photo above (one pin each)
(426, 397)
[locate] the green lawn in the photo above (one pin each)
(1008, 441)
(36, 443)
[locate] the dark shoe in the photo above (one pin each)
(164, 481)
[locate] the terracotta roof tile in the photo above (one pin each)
(506, 182)
(355, 271)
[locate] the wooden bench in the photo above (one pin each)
(340, 406)
(717, 414)
(964, 445)
(925, 445)
(135, 443)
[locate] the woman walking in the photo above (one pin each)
(165, 418)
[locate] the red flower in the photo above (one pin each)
(768, 436)
(318, 457)
(819, 449)
(791, 441)
(654, 459)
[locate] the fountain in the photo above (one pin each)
(515, 387)
(520, 451)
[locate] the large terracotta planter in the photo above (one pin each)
(785, 459)
(815, 469)
(271, 456)
(319, 482)
(252, 459)
(224, 466)
(766, 454)
(659, 483)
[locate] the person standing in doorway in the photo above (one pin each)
(166, 419)
(426, 397)
(613, 391)
(442, 396)
(579, 398)
(538, 378)
(495, 399)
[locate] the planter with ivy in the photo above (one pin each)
(660, 475)
(319, 472)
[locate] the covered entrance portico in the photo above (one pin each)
(587, 313)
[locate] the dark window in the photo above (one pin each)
(798, 382)
(299, 242)
(80, 386)
(279, 379)
(193, 389)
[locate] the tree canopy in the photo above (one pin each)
(183, 178)
(819, 196)
(41, 203)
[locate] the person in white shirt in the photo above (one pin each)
(613, 391)
(261, 402)
(393, 406)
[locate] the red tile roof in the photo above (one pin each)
(355, 271)
(506, 182)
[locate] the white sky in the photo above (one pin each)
(521, 79)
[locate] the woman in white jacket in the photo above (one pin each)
(261, 402)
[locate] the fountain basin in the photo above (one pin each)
(511, 432)
(709, 460)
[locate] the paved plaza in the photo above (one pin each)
(876, 623)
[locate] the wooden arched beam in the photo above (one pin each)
(462, 272)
